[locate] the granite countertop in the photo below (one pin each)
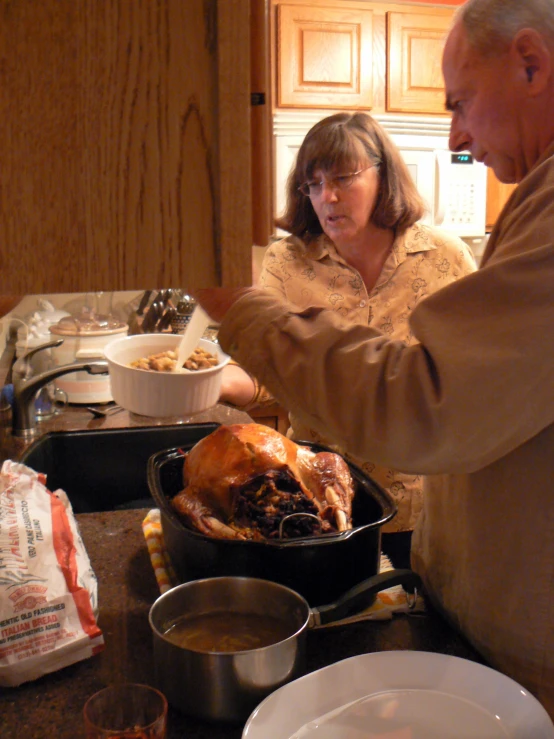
(52, 706)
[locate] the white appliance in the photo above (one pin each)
(454, 186)
(84, 340)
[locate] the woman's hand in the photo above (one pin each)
(216, 301)
(237, 386)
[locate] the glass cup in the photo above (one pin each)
(49, 401)
(126, 711)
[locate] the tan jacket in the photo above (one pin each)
(472, 404)
(421, 261)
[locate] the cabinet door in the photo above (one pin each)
(324, 57)
(125, 144)
(274, 416)
(414, 75)
(497, 195)
(262, 189)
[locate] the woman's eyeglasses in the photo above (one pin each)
(314, 188)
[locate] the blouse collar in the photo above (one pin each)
(418, 238)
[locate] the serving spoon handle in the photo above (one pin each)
(198, 323)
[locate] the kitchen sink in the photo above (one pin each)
(105, 470)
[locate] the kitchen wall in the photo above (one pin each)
(122, 304)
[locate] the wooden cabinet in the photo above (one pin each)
(440, 2)
(324, 55)
(274, 416)
(497, 195)
(126, 143)
(415, 42)
(340, 54)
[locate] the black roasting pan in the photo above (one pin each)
(320, 568)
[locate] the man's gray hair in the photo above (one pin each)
(492, 24)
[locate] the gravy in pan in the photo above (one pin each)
(226, 631)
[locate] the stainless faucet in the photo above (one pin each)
(26, 387)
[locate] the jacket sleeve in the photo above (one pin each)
(478, 383)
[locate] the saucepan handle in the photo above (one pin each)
(362, 595)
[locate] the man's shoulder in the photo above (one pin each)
(532, 198)
(526, 222)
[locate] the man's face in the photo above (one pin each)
(487, 101)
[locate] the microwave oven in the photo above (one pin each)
(453, 185)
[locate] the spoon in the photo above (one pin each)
(198, 323)
(104, 412)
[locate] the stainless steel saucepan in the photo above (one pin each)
(227, 686)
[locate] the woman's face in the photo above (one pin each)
(344, 205)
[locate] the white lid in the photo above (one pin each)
(37, 326)
(92, 325)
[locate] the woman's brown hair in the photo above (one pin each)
(344, 142)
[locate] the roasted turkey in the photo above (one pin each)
(243, 479)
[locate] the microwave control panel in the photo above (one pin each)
(465, 193)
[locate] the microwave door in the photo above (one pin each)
(454, 187)
(462, 184)
(441, 186)
(421, 164)
(286, 149)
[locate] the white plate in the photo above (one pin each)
(401, 695)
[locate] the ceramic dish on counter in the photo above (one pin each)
(84, 340)
(401, 694)
(161, 394)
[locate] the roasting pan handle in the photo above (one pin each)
(362, 595)
(297, 515)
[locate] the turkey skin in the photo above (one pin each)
(247, 481)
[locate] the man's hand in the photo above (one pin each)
(216, 301)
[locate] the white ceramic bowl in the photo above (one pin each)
(161, 394)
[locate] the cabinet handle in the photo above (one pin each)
(257, 98)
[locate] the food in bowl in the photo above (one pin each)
(227, 631)
(248, 481)
(165, 361)
(162, 394)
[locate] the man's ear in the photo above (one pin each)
(534, 58)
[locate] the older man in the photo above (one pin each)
(472, 404)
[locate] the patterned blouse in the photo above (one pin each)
(421, 261)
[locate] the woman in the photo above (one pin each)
(356, 248)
